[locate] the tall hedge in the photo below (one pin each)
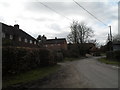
(17, 60)
(113, 55)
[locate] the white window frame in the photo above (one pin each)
(46, 45)
(3, 35)
(26, 40)
(58, 44)
(52, 45)
(34, 42)
(39, 40)
(31, 42)
(20, 39)
(11, 37)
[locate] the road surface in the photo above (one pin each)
(84, 73)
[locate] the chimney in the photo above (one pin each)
(16, 26)
(55, 37)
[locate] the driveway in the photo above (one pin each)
(84, 73)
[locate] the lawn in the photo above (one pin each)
(113, 62)
(30, 75)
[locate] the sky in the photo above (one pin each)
(37, 19)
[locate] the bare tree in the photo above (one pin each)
(80, 33)
(72, 37)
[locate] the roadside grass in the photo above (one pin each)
(106, 61)
(29, 76)
(103, 54)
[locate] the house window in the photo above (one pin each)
(20, 39)
(25, 40)
(11, 37)
(51, 44)
(46, 45)
(34, 42)
(58, 44)
(39, 40)
(30, 41)
(3, 35)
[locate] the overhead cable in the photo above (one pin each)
(55, 11)
(90, 13)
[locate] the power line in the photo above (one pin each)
(90, 13)
(55, 11)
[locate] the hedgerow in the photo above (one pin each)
(17, 60)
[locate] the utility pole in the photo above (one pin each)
(110, 43)
(110, 34)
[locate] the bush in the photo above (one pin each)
(59, 56)
(17, 60)
(113, 55)
(96, 54)
(73, 51)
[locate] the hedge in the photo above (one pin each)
(113, 55)
(17, 60)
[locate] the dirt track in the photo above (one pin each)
(85, 73)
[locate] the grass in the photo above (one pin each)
(103, 54)
(113, 62)
(30, 75)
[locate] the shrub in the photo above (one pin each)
(96, 54)
(17, 60)
(11, 60)
(113, 55)
(73, 51)
(59, 56)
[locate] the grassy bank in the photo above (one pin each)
(30, 75)
(113, 62)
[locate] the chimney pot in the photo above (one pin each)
(16, 26)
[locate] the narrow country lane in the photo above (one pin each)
(84, 73)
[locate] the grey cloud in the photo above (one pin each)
(40, 19)
(99, 9)
(104, 12)
(2, 19)
(5, 4)
(55, 27)
(61, 35)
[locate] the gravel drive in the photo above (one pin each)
(84, 73)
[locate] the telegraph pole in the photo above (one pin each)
(110, 34)
(110, 43)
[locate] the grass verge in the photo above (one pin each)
(29, 76)
(104, 60)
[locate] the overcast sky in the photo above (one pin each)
(36, 19)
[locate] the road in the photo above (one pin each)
(85, 73)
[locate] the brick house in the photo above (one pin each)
(14, 36)
(56, 44)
